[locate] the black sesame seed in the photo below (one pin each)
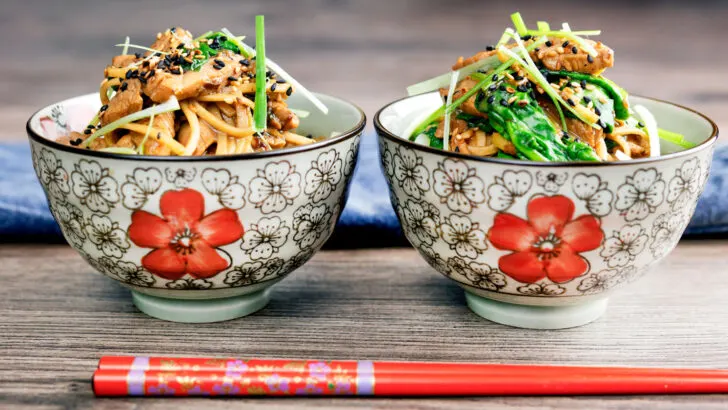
(216, 66)
(138, 55)
(502, 87)
(504, 103)
(129, 74)
(565, 44)
(571, 102)
(641, 124)
(223, 38)
(87, 131)
(232, 78)
(492, 87)
(489, 48)
(549, 43)
(517, 77)
(587, 99)
(159, 135)
(281, 81)
(491, 99)
(175, 71)
(589, 58)
(273, 87)
(219, 62)
(76, 142)
(244, 62)
(574, 50)
(597, 111)
(289, 91)
(536, 49)
(142, 80)
(268, 73)
(601, 124)
(522, 88)
(104, 107)
(565, 134)
(181, 46)
(583, 84)
(173, 29)
(123, 86)
(495, 77)
(526, 37)
(157, 54)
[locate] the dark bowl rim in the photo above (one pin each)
(384, 133)
(352, 132)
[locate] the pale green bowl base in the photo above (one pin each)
(536, 317)
(201, 311)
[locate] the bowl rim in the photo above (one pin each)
(385, 133)
(350, 133)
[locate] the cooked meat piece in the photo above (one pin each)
(208, 136)
(127, 142)
(583, 131)
(170, 39)
(124, 102)
(123, 60)
(161, 86)
(285, 119)
(165, 123)
(194, 82)
(457, 126)
(470, 60)
(469, 105)
(558, 57)
(503, 144)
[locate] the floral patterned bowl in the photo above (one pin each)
(197, 239)
(541, 245)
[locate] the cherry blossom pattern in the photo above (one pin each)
(541, 289)
(184, 240)
(421, 220)
(548, 244)
(324, 175)
(70, 219)
(666, 230)
(409, 172)
(685, 184)
(107, 236)
(128, 272)
(594, 192)
(52, 175)
(253, 272)
(275, 187)
(387, 161)
(139, 186)
(551, 181)
(229, 192)
(93, 185)
(180, 177)
(464, 236)
(310, 223)
(434, 260)
(265, 238)
(624, 245)
(480, 275)
(512, 185)
(189, 284)
(640, 195)
(296, 261)
(351, 155)
(601, 281)
(58, 115)
(457, 186)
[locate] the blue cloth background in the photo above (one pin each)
(368, 219)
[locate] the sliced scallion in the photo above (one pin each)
(519, 24)
(651, 126)
(127, 46)
(260, 115)
(444, 79)
(675, 138)
(238, 41)
(448, 102)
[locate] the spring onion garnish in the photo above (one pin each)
(675, 138)
(238, 41)
(119, 150)
(296, 85)
(146, 135)
(651, 126)
(565, 27)
(300, 113)
(127, 45)
(443, 80)
(519, 24)
(543, 26)
(261, 102)
(170, 105)
(448, 103)
(203, 36)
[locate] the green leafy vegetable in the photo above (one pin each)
(621, 110)
(261, 101)
(604, 107)
(210, 46)
(434, 141)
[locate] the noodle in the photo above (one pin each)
(296, 139)
(194, 123)
(218, 123)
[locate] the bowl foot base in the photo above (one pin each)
(201, 311)
(536, 317)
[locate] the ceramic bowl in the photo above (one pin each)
(197, 239)
(542, 245)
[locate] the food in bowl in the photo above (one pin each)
(538, 95)
(187, 95)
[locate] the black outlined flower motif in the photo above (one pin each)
(139, 186)
(433, 259)
(421, 220)
(387, 161)
(275, 187)
(640, 195)
(600, 281)
(296, 261)
(230, 193)
(350, 162)
(506, 189)
(180, 177)
(541, 289)
(457, 186)
(189, 284)
(253, 272)
(310, 223)
(463, 236)
(551, 181)
(594, 192)
(409, 172)
(52, 175)
(128, 272)
(324, 175)
(484, 276)
(684, 185)
(58, 115)
(93, 185)
(107, 236)
(665, 231)
(70, 218)
(265, 238)
(624, 245)
(103, 264)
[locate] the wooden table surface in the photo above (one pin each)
(57, 318)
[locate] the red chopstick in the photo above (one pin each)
(154, 376)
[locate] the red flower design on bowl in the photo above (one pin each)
(184, 239)
(548, 243)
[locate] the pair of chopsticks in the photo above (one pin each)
(159, 376)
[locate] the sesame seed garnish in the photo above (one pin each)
(123, 86)
(289, 91)
(602, 100)
(586, 99)
(181, 46)
(526, 37)
(491, 99)
(104, 108)
(217, 66)
(87, 131)
(574, 50)
(559, 50)
(522, 88)
(512, 99)
(495, 77)
(641, 124)
(492, 87)
(502, 87)
(536, 49)
(565, 44)
(138, 55)
(583, 83)
(244, 62)
(281, 81)
(175, 71)
(571, 102)
(517, 77)
(489, 48)
(589, 58)
(76, 142)
(504, 103)
(522, 103)
(273, 87)
(219, 62)
(232, 78)
(509, 76)
(597, 111)
(549, 43)
(223, 38)
(510, 90)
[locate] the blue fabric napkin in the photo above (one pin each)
(367, 221)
